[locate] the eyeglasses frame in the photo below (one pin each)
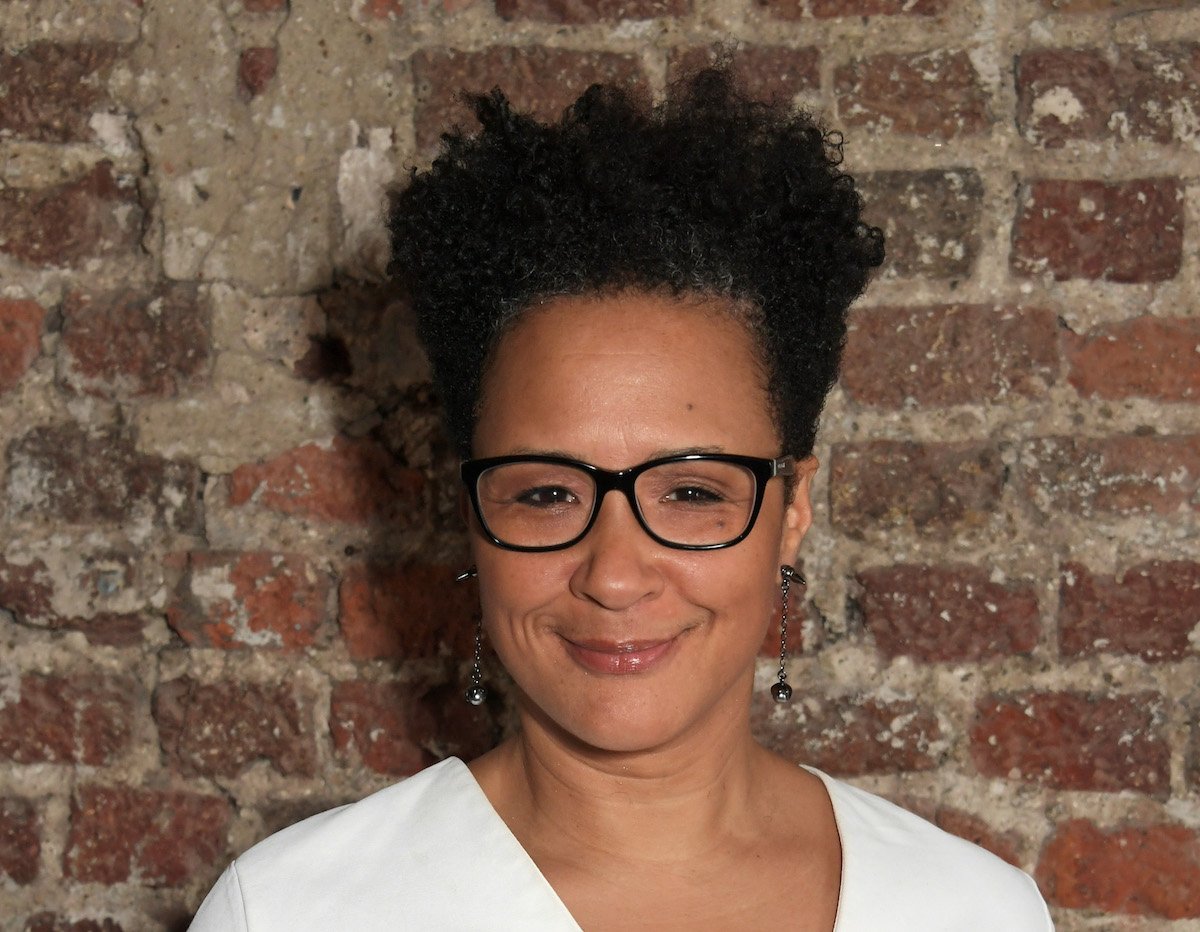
(763, 468)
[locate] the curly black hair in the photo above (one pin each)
(707, 194)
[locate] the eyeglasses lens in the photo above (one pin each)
(691, 502)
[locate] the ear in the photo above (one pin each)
(797, 517)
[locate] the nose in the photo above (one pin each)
(617, 570)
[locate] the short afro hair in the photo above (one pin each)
(708, 193)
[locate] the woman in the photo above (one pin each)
(649, 304)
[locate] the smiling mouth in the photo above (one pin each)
(619, 658)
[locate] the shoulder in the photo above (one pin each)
(897, 866)
(376, 850)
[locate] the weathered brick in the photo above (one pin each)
(764, 72)
(95, 215)
(1114, 6)
(1123, 231)
(940, 487)
(131, 343)
(1074, 741)
(256, 68)
(1147, 357)
(56, 922)
(49, 91)
(591, 11)
(1146, 870)
(936, 94)
(20, 339)
(398, 728)
(796, 9)
(348, 480)
(849, 735)
(71, 474)
(966, 825)
(406, 611)
(251, 600)
(20, 840)
(27, 590)
(1150, 610)
(80, 718)
(221, 729)
(929, 218)
(156, 838)
(943, 613)
(954, 354)
(535, 78)
(1122, 475)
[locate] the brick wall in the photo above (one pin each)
(228, 523)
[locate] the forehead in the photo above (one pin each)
(617, 379)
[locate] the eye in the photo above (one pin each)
(693, 495)
(547, 496)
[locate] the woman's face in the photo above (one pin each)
(618, 641)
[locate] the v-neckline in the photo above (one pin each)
(517, 850)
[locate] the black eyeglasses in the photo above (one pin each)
(696, 501)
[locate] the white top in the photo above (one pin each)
(430, 853)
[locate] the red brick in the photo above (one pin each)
(764, 72)
(20, 840)
(1122, 475)
(55, 922)
(249, 600)
(537, 79)
(939, 487)
(1144, 870)
(20, 339)
(797, 9)
(349, 480)
(849, 735)
(383, 9)
(945, 613)
(400, 728)
(947, 355)
(131, 343)
(221, 729)
(407, 611)
(937, 94)
(256, 68)
(26, 590)
(51, 90)
(81, 718)
(591, 11)
(156, 838)
(967, 825)
(1124, 231)
(1147, 357)
(930, 219)
(64, 472)
(1149, 610)
(93, 216)
(1073, 741)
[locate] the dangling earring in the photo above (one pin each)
(476, 692)
(781, 690)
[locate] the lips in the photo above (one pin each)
(619, 658)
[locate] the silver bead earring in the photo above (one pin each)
(787, 575)
(476, 692)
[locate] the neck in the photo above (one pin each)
(669, 803)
